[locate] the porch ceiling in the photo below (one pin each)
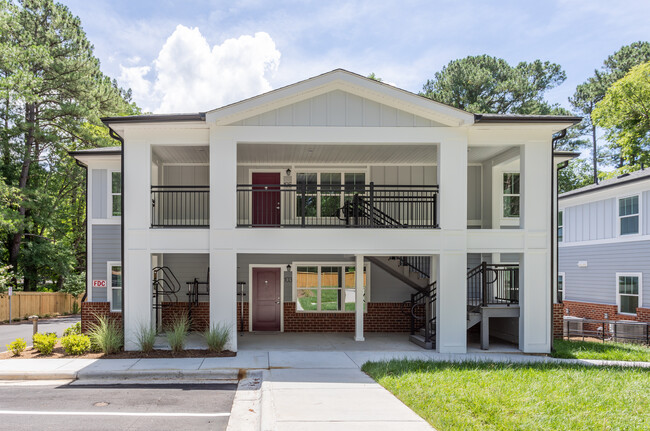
(181, 153)
(335, 154)
(481, 154)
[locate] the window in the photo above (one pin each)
(326, 288)
(115, 286)
(335, 188)
(628, 215)
(560, 286)
(628, 292)
(560, 226)
(511, 195)
(116, 194)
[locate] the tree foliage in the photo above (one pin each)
(624, 113)
(52, 94)
(485, 84)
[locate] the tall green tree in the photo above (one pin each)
(592, 91)
(624, 113)
(52, 93)
(485, 84)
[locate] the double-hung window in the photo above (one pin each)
(628, 292)
(115, 286)
(327, 287)
(325, 192)
(560, 286)
(511, 195)
(116, 194)
(628, 215)
(560, 226)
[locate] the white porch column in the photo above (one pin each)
(535, 264)
(451, 304)
(358, 298)
(223, 214)
(136, 268)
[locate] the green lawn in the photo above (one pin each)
(484, 396)
(595, 350)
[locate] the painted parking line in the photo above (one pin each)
(148, 414)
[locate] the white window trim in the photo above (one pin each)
(560, 226)
(109, 285)
(318, 172)
(109, 209)
(563, 275)
(618, 215)
(294, 279)
(639, 275)
(498, 220)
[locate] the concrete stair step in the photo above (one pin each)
(419, 340)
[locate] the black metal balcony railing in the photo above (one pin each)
(180, 206)
(490, 284)
(328, 205)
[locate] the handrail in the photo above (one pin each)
(491, 284)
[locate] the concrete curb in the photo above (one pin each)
(39, 375)
(246, 411)
(216, 375)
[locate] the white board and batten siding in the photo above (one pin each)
(337, 108)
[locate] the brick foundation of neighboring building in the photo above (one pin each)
(558, 320)
(91, 310)
(590, 310)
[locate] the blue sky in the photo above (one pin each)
(198, 55)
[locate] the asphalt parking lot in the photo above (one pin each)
(24, 329)
(39, 406)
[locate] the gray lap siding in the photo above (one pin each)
(597, 282)
(106, 247)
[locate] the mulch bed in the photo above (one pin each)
(58, 353)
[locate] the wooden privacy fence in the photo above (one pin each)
(41, 303)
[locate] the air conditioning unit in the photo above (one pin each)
(572, 326)
(629, 331)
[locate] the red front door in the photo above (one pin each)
(266, 299)
(266, 199)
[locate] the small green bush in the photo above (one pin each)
(106, 335)
(217, 337)
(74, 329)
(177, 332)
(44, 343)
(75, 308)
(17, 346)
(75, 344)
(146, 338)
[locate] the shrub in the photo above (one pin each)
(17, 346)
(217, 337)
(74, 329)
(44, 343)
(177, 332)
(75, 307)
(106, 335)
(146, 338)
(75, 344)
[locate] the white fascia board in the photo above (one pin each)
(547, 127)
(633, 188)
(98, 161)
(344, 81)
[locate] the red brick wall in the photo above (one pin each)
(239, 316)
(91, 310)
(381, 317)
(589, 310)
(558, 320)
(199, 317)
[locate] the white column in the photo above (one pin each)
(223, 293)
(223, 213)
(535, 264)
(136, 268)
(451, 304)
(358, 298)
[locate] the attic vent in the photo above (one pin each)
(623, 176)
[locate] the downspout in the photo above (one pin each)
(554, 193)
(85, 167)
(118, 138)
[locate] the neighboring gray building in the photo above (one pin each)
(604, 249)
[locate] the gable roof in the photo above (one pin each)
(642, 175)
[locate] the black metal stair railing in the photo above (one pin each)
(492, 284)
(420, 308)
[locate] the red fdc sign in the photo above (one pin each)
(99, 283)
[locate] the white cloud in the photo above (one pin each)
(189, 75)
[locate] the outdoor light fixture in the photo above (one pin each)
(289, 267)
(288, 172)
